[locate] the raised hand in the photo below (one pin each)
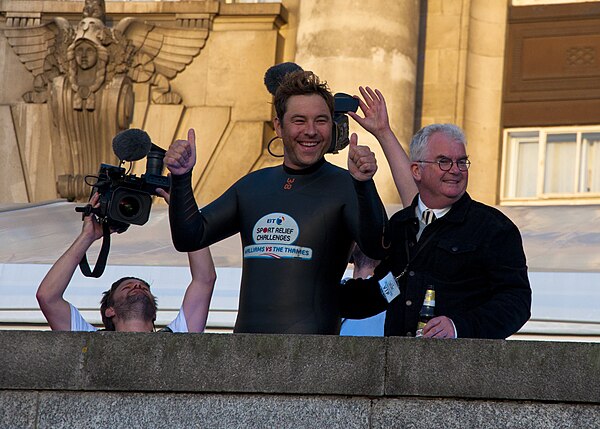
(92, 229)
(362, 164)
(181, 156)
(376, 119)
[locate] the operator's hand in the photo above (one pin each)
(161, 192)
(376, 120)
(361, 161)
(181, 156)
(439, 327)
(92, 229)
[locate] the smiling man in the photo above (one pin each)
(470, 253)
(297, 221)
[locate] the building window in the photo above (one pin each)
(551, 165)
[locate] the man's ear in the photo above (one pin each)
(109, 312)
(277, 124)
(415, 169)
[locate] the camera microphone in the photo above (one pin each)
(131, 145)
(276, 73)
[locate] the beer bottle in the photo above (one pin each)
(427, 310)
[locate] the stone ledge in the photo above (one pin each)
(515, 370)
(300, 365)
(111, 361)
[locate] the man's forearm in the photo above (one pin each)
(52, 288)
(361, 298)
(197, 297)
(372, 220)
(184, 218)
(56, 281)
(399, 166)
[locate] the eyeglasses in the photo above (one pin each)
(446, 164)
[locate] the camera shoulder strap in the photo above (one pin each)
(102, 257)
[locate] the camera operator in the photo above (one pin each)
(128, 306)
(297, 221)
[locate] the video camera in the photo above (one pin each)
(126, 199)
(340, 137)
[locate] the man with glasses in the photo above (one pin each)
(469, 252)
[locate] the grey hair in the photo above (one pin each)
(419, 142)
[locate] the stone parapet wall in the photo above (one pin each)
(50, 379)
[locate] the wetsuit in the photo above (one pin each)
(296, 228)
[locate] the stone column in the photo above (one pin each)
(374, 43)
(483, 96)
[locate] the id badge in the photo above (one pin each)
(389, 287)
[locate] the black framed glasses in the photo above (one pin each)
(446, 164)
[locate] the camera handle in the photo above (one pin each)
(84, 266)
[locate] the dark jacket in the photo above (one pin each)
(474, 258)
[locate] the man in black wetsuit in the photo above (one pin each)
(297, 221)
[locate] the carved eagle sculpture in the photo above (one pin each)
(143, 51)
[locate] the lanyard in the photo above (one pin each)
(411, 259)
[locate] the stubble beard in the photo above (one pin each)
(137, 306)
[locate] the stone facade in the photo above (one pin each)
(435, 61)
(190, 64)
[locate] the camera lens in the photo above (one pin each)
(129, 207)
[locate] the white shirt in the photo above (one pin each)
(79, 324)
(420, 208)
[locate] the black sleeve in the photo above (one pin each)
(361, 298)
(184, 218)
(372, 220)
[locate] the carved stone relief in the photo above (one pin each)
(85, 73)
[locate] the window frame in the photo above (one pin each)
(542, 198)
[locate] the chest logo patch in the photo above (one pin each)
(289, 183)
(274, 236)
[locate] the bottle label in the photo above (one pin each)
(429, 298)
(420, 327)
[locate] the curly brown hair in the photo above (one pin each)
(301, 83)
